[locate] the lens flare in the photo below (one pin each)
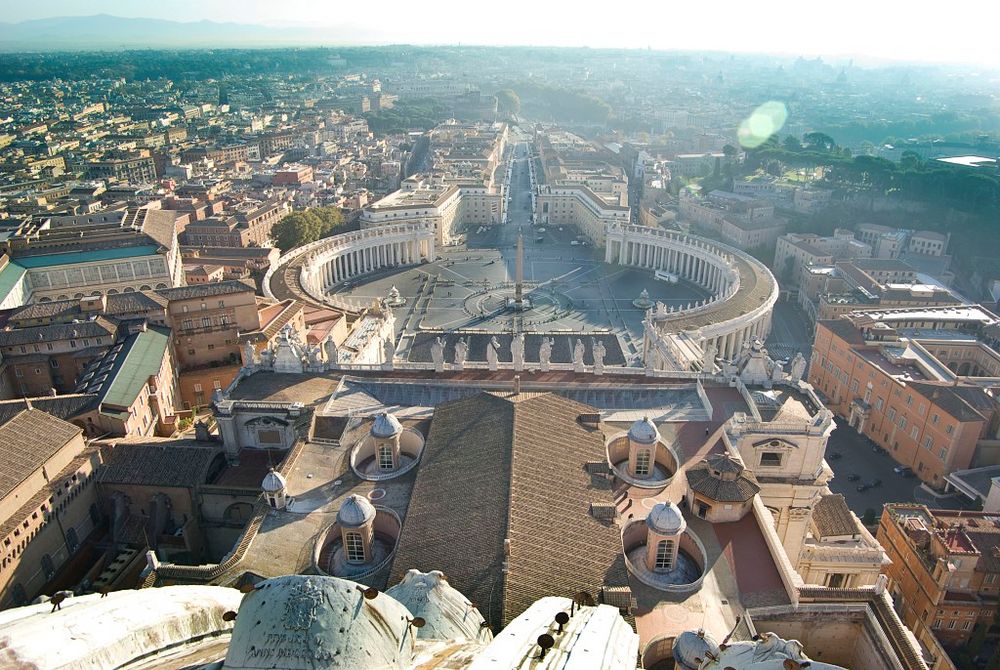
(765, 121)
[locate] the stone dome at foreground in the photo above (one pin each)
(310, 622)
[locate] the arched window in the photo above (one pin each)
(665, 555)
(48, 567)
(72, 541)
(355, 548)
(642, 459)
(385, 457)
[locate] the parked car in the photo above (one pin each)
(904, 470)
(853, 477)
(875, 483)
(862, 488)
(833, 455)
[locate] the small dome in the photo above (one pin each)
(449, 614)
(273, 482)
(644, 431)
(690, 648)
(386, 425)
(666, 519)
(355, 512)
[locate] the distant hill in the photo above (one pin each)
(106, 32)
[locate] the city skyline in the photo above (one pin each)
(858, 30)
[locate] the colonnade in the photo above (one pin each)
(743, 292)
(331, 260)
(337, 265)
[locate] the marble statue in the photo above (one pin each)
(249, 355)
(437, 354)
(389, 352)
(267, 358)
(315, 355)
(798, 367)
(777, 371)
(330, 349)
(517, 351)
(578, 350)
(491, 353)
(708, 359)
(545, 353)
(599, 352)
(461, 353)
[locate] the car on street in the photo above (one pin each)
(903, 470)
(862, 488)
(875, 483)
(833, 456)
(853, 477)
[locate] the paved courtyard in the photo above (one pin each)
(857, 457)
(570, 287)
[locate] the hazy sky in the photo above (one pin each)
(955, 30)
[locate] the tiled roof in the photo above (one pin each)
(556, 547)
(61, 406)
(117, 304)
(457, 518)
(206, 290)
(153, 463)
(948, 399)
(121, 374)
(832, 517)
(498, 468)
(702, 481)
(99, 327)
(843, 329)
(30, 439)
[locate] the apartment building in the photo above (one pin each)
(48, 501)
(795, 251)
(248, 224)
(911, 381)
(134, 170)
(944, 569)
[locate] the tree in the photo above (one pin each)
(792, 143)
(909, 160)
(508, 102)
(816, 141)
(300, 228)
(729, 151)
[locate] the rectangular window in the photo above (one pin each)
(770, 459)
(942, 454)
(902, 422)
(355, 548)
(878, 403)
(385, 457)
(205, 322)
(642, 459)
(949, 429)
(891, 414)
(665, 555)
(935, 418)
(197, 388)
(928, 442)
(915, 432)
